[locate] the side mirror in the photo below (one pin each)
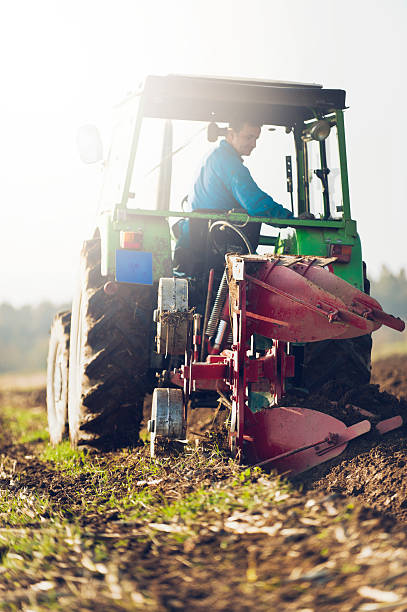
(89, 144)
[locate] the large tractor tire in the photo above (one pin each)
(57, 377)
(347, 362)
(109, 359)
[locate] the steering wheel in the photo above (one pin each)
(184, 201)
(217, 227)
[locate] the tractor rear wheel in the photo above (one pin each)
(347, 362)
(57, 377)
(109, 357)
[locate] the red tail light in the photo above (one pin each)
(343, 252)
(131, 240)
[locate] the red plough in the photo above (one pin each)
(287, 300)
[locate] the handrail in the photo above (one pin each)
(231, 217)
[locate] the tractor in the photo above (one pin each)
(259, 305)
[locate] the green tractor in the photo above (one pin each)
(108, 353)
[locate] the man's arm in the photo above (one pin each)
(249, 195)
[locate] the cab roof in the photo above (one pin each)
(206, 98)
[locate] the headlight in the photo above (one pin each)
(319, 131)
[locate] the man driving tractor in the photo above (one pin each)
(225, 183)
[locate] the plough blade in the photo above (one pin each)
(293, 440)
(389, 424)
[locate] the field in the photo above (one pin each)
(197, 531)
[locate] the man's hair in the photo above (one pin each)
(237, 124)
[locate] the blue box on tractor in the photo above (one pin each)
(134, 267)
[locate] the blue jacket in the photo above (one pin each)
(224, 183)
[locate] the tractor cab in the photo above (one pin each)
(163, 133)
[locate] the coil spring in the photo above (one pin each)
(217, 306)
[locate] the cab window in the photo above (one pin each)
(146, 172)
(116, 166)
(334, 184)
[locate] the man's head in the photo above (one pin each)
(242, 135)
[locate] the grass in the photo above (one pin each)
(127, 482)
(122, 532)
(45, 537)
(40, 541)
(249, 494)
(88, 531)
(65, 457)
(25, 425)
(23, 507)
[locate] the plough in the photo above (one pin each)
(284, 299)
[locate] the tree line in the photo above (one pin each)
(24, 334)
(24, 331)
(390, 290)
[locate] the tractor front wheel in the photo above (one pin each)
(57, 377)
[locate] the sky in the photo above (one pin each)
(66, 64)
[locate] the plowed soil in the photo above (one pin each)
(334, 539)
(374, 467)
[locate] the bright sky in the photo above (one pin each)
(67, 63)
